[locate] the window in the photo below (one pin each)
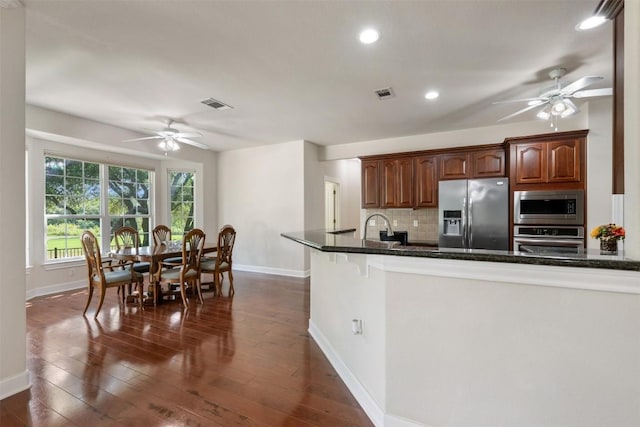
(75, 201)
(129, 200)
(72, 204)
(181, 199)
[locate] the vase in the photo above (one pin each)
(608, 246)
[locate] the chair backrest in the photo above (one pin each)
(161, 234)
(126, 237)
(92, 255)
(226, 240)
(192, 249)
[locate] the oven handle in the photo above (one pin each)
(558, 242)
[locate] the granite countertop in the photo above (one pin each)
(326, 242)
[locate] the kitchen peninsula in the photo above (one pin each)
(444, 337)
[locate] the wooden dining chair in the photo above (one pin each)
(103, 276)
(162, 236)
(128, 238)
(222, 261)
(188, 273)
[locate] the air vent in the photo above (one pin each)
(214, 103)
(385, 93)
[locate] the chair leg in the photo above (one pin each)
(141, 293)
(199, 286)
(216, 276)
(183, 292)
(231, 290)
(88, 300)
(102, 292)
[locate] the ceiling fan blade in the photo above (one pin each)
(193, 143)
(140, 139)
(580, 83)
(530, 107)
(593, 92)
(520, 100)
(187, 135)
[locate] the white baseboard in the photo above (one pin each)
(15, 384)
(369, 405)
(54, 289)
(272, 270)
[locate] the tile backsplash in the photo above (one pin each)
(421, 224)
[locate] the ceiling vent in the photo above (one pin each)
(214, 103)
(385, 93)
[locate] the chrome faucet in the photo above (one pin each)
(366, 222)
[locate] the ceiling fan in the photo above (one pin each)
(170, 137)
(556, 102)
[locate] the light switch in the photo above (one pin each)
(395, 222)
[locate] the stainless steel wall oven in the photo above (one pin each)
(544, 239)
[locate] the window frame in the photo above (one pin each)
(170, 201)
(103, 217)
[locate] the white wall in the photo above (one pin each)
(13, 372)
(261, 193)
(346, 172)
(599, 167)
(632, 128)
(458, 138)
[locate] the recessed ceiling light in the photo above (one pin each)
(369, 36)
(591, 22)
(432, 94)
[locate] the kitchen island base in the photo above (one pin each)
(468, 343)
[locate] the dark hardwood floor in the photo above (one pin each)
(241, 361)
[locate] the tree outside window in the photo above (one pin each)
(181, 197)
(129, 191)
(72, 204)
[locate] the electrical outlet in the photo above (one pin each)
(372, 223)
(395, 222)
(415, 222)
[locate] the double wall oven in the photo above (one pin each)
(548, 222)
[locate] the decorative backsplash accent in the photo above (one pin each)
(427, 220)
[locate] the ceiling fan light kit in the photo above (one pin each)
(556, 102)
(170, 137)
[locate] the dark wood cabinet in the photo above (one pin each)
(488, 163)
(454, 166)
(396, 185)
(564, 158)
(531, 163)
(410, 180)
(425, 181)
(370, 184)
(548, 161)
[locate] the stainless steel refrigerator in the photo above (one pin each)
(474, 213)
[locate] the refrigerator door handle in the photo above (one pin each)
(465, 226)
(470, 215)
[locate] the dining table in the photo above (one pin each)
(154, 255)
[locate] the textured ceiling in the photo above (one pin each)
(296, 70)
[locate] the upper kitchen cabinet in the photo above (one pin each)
(488, 163)
(425, 182)
(455, 166)
(396, 183)
(370, 184)
(548, 161)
